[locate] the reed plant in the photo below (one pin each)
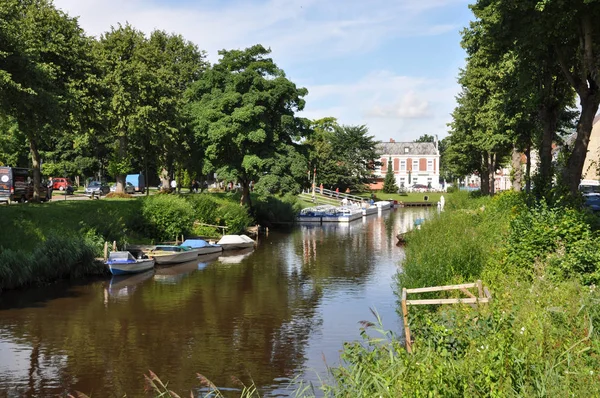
(58, 257)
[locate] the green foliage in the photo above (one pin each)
(389, 184)
(271, 210)
(243, 110)
(57, 257)
(234, 217)
(559, 239)
(167, 216)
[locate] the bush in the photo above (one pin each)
(271, 209)
(167, 216)
(559, 239)
(235, 217)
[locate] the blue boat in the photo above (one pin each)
(123, 262)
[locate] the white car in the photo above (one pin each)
(129, 188)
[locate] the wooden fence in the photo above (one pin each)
(483, 296)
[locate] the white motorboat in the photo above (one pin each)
(123, 262)
(232, 242)
(171, 254)
(202, 246)
(383, 205)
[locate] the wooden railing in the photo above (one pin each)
(483, 296)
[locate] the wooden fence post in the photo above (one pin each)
(406, 327)
(480, 288)
(114, 245)
(105, 250)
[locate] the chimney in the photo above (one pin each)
(392, 140)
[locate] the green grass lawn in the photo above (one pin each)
(408, 197)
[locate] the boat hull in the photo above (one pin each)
(175, 258)
(131, 268)
(236, 246)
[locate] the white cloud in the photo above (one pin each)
(292, 28)
(392, 106)
(312, 32)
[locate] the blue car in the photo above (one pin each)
(592, 202)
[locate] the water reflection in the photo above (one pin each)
(269, 318)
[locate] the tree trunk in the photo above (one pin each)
(528, 169)
(35, 163)
(549, 117)
(122, 155)
(517, 172)
(484, 174)
(492, 173)
(164, 179)
(572, 172)
(245, 200)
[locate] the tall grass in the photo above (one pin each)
(56, 258)
(538, 337)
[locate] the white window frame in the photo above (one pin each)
(415, 165)
(402, 165)
(429, 164)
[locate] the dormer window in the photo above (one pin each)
(406, 149)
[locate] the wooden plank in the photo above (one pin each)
(407, 339)
(448, 301)
(480, 288)
(468, 293)
(487, 293)
(441, 288)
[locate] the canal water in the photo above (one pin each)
(269, 316)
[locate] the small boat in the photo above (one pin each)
(401, 238)
(370, 209)
(202, 246)
(343, 214)
(123, 262)
(383, 205)
(232, 242)
(171, 254)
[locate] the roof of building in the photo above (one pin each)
(397, 148)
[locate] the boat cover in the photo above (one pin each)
(196, 243)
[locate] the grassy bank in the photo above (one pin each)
(538, 337)
(44, 242)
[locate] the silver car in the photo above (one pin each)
(97, 188)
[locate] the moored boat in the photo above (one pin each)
(343, 214)
(383, 205)
(123, 262)
(202, 246)
(232, 242)
(170, 254)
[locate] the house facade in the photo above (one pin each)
(591, 167)
(412, 163)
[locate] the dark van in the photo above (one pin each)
(16, 185)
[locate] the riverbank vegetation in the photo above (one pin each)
(42, 243)
(538, 337)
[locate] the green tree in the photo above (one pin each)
(243, 110)
(355, 153)
(425, 138)
(41, 67)
(389, 184)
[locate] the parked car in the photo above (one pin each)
(62, 184)
(592, 202)
(129, 188)
(97, 188)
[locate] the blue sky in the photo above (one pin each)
(391, 65)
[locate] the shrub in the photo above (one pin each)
(558, 241)
(272, 209)
(235, 217)
(167, 216)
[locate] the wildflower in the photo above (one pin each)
(522, 329)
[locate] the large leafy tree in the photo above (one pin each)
(244, 113)
(42, 57)
(355, 150)
(567, 33)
